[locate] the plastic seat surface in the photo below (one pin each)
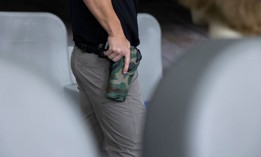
(150, 69)
(208, 104)
(36, 119)
(37, 39)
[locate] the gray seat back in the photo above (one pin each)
(37, 119)
(209, 104)
(150, 69)
(38, 40)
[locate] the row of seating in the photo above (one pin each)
(207, 105)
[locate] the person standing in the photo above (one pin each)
(117, 126)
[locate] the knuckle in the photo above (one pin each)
(109, 52)
(115, 59)
(118, 52)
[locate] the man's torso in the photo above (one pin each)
(86, 28)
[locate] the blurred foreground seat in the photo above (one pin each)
(37, 116)
(209, 104)
(37, 119)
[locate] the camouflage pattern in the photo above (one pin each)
(119, 83)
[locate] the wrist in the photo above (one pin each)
(116, 33)
(115, 29)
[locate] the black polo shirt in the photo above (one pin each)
(86, 28)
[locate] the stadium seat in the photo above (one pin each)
(150, 69)
(37, 39)
(36, 118)
(209, 103)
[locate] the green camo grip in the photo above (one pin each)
(119, 83)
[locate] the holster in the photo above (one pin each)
(119, 83)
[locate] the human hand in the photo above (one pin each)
(119, 47)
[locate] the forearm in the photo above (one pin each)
(119, 46)
(106, 16)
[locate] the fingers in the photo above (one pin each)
(113, 55)
(126, 63)
(117, 55)
(119, 47)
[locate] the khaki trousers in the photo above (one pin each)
(117, 126)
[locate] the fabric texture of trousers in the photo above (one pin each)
(117, 126)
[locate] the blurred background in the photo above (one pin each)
(178, 31)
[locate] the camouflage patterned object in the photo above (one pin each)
(119, 83)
